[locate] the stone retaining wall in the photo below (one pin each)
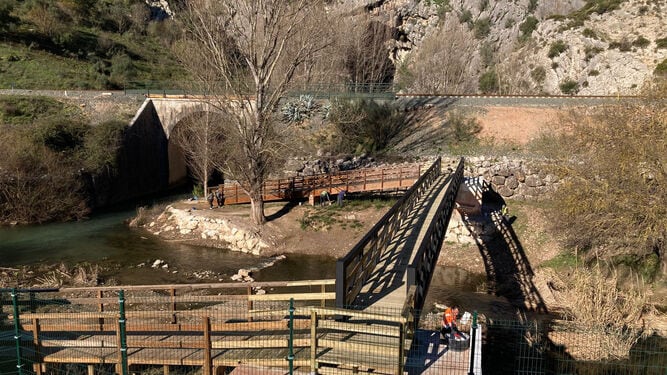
(511, 178)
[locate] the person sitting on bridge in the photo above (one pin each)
(449, 327)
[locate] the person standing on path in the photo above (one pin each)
(209, 198)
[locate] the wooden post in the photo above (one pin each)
(323, 290)
(400, 177)
(208, 364)
(100, 308)
(364, 189)
(119, 364)
(313, 342)
(382, 179)
(401, 347)
(38, 350)
(165, 369)
(172, 305)
(91, 369)
(249, 303)
(236, 192)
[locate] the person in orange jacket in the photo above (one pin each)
(449, 327)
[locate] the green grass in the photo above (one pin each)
(561, 261)
(32, 69)
(24, 110)
(89, 59)
(318, 218)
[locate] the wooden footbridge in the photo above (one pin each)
(366, 320)
(365, 180)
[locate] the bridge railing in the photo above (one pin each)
(353, 269)
(363, 180)
(421, 269)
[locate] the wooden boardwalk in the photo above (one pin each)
(393, 178)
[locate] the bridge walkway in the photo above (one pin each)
(387, 286)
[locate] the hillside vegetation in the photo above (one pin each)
(50, 157)
(85, 44)
(601, 47)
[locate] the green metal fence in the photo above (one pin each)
(164, 330)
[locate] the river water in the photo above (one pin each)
(106, 240)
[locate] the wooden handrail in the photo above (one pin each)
(351, 181)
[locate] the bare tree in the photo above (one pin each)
(240, 49)
(365, 51)
(201, 138)
(444, 63)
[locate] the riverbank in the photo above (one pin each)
(291, 228)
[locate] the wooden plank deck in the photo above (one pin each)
(386, 289)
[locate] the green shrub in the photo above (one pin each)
(641, 42)
(557, 48)
(593, 72)
(488, 82)
(661, 69)
(483, 4)
(661, 43)
(364, 126)
(569, 87)
(24, 110)
(486, 53)
(554, 65)
(589, 33)
(623, 45)
(60, 134)
(578, 17)
(539, 74)
(462, 129)
(527, 27)
(102, 144)
(509, 23)
(591, 51)
(482, 27)
(465, 16)
(532, 5)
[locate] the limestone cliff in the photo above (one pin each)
(597, 53)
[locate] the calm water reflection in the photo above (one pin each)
(106, 240)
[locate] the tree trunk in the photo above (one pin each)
(257, 209)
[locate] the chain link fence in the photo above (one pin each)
(216, 329)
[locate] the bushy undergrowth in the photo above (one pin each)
(46, 150)
(363, 126)
(613, 201)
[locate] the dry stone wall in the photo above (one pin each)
(512, 179)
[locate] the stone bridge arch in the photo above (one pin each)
(164, 114)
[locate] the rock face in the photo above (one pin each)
(615, 52)
(610, 53)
